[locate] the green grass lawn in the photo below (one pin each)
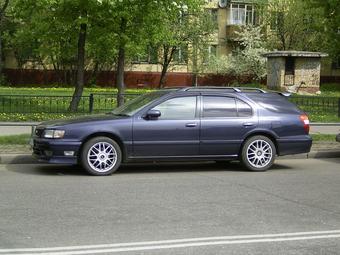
(56, 91)
(15, 139)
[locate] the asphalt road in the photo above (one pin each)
(172, 209)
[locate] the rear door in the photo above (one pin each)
(225, 120)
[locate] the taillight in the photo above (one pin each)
(305, 121)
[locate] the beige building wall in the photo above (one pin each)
(307, 72)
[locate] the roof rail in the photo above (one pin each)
(235, 89)
(211, 87)
(175, 87)
(250, 88)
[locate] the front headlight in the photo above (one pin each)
(56, 134)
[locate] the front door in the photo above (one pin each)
(174, 134)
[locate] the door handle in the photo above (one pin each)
(248, 124)
(191, 125)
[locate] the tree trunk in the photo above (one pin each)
(121, 65)
(80, 69)
(2, 14)
(166, 62)
(1, 64)
(120, 76)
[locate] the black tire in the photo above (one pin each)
(257, 159)
(100, 164)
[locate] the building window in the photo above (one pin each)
(149, 56)
(242, 14)
(213, 13)
(181, 55)
(211, 51)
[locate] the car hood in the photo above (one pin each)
(79, 120)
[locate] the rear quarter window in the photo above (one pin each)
(274, 102)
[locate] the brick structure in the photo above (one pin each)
(296, 71)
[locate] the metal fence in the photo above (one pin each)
(26, 104)
(317, 104)
(97, 103)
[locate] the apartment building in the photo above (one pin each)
(229, 16)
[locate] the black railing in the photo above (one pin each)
(317, 104)
(26, 104)
(98, 103)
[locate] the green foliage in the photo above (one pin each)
(329, 25)
(293, 25)
(247, 60)
(323, 138)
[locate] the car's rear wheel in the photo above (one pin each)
(101, 156)
(258, 153)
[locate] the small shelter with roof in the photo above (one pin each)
(295, 71)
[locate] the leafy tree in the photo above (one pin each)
(330, 24)
(3, 6)
(55, 32)
(292, 25)
(135, 25)
(247, 60)
(186, 27)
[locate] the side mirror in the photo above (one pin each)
(152, 114)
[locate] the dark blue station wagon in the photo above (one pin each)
(202, 123)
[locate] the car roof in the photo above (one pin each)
(244, 90)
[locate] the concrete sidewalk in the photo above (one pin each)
(21, 154)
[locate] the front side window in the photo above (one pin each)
(179, 108)
(242, 14)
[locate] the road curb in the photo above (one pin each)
(8, 159)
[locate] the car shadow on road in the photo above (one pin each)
(185, 167)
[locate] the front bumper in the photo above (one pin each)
(294, 145)
(52, 150)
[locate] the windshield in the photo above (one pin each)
(134, 105)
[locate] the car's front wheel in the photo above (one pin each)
(101, 156)
(258, 153)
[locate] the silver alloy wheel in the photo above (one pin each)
(102, 157)
(259, 153)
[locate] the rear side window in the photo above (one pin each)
(219, 107)
(222, 107)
